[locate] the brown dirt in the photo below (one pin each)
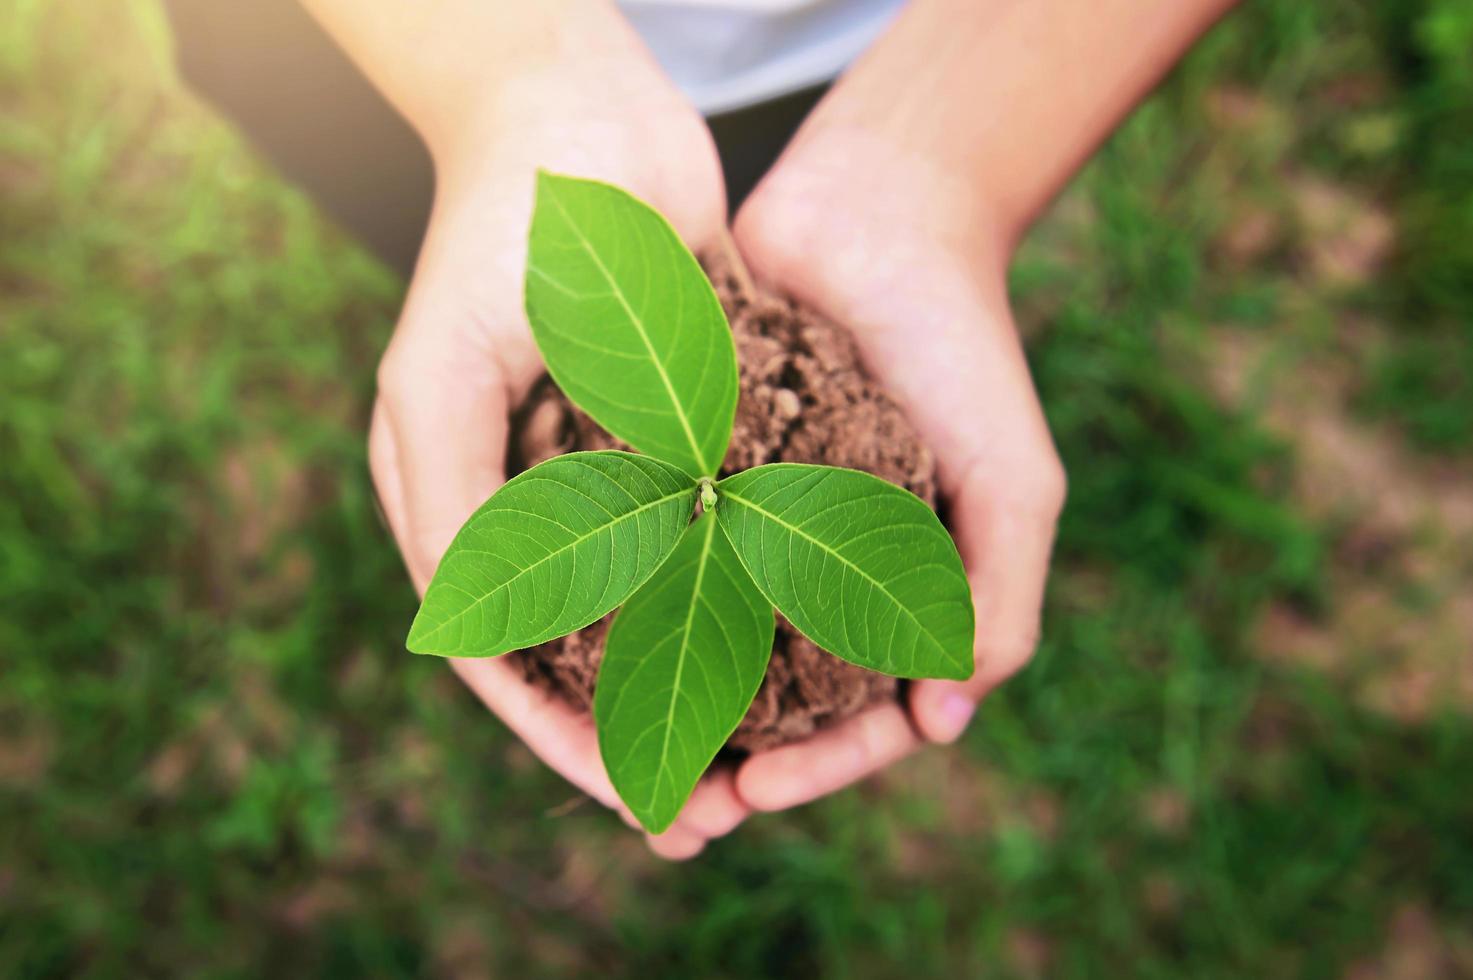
(805, 397)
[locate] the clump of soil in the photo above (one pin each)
(805, 398)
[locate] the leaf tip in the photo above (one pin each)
(548, 180)
(546, 185)
(415, 641)
(655, 827)
(652, 819)
(962, 668)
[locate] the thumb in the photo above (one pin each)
(1003, 520)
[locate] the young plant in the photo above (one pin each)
(633, 333)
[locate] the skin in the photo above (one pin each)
(894, 211)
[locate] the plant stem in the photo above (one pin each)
(739, 270)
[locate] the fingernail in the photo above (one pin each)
(956, 713)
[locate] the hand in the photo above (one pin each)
(463, 355)
(884, 247)
(894, 212)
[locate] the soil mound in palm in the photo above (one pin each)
(805, 398)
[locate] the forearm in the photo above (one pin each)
(1000, 101)
(450, 66)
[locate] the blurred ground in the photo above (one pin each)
(1244, 750)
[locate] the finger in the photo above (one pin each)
(446, 406)
(437, 447)
(383, 465)
(828, 761)
(1005, 540)
(714, 809)
(676, 845)
(970, 394)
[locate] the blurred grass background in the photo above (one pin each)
(1245, 748)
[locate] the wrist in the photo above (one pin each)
(650, 143)
(462, 72)
(565, 74)
(845, 202)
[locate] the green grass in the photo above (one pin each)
(217, 760)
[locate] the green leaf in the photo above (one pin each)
(628, 324)
(682, 663)
(863, 568)
(553, 550)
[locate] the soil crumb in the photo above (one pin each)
(805, 398)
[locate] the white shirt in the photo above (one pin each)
(726, 54)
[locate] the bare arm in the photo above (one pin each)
(1007, 98)
(445, 63)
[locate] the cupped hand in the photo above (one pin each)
(462, 355)
(896, 252)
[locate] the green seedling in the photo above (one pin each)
(633, 333)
